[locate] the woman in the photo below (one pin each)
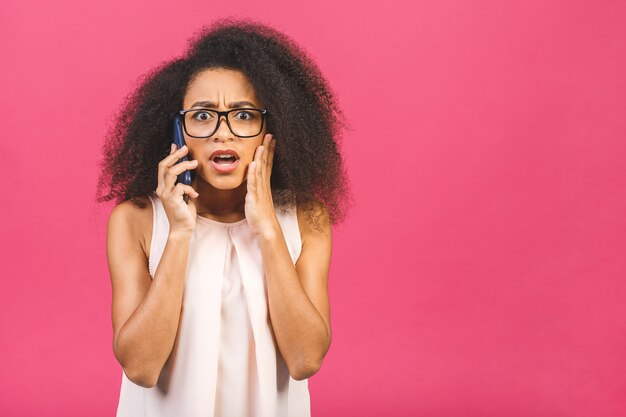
(220, 288)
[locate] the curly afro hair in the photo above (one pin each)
(308, 166)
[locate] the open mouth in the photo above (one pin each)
(225, 159)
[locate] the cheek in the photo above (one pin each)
(249, 155)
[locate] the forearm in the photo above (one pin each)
(147, 338)
(299, 329)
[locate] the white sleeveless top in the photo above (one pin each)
(225, 361)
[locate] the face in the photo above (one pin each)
(223, 88)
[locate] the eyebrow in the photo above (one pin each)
(207, 104)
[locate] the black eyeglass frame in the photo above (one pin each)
(219, 120)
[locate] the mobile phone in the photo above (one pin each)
(179, 139)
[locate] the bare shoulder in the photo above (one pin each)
(313, 221)
(137, 219)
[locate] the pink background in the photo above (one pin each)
(482, 271)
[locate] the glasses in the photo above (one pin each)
(244, 123)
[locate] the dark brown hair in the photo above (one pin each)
(302, 114)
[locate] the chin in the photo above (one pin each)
(226, 182)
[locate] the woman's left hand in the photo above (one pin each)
(259, 203)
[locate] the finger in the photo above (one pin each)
(172, 158)
(180, 189)
(266, 147)
(264, 155)
(251, 177)
(181, 167)
(270, 157)
(161, 172)
(259, 166)
(168, 161)
(257, 152)
(257, 157)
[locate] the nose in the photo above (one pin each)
(222, 133)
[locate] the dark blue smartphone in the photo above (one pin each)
(179, 139)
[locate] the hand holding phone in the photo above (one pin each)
(181, 215)
(178, 138)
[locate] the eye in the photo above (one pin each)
(245, 115)
(202, 116)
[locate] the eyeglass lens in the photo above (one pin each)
(244, 122)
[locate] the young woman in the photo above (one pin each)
(220, 288)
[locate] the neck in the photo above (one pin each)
(217, 204)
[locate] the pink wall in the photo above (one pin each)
(482, 272)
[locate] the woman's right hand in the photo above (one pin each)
(181, 215)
